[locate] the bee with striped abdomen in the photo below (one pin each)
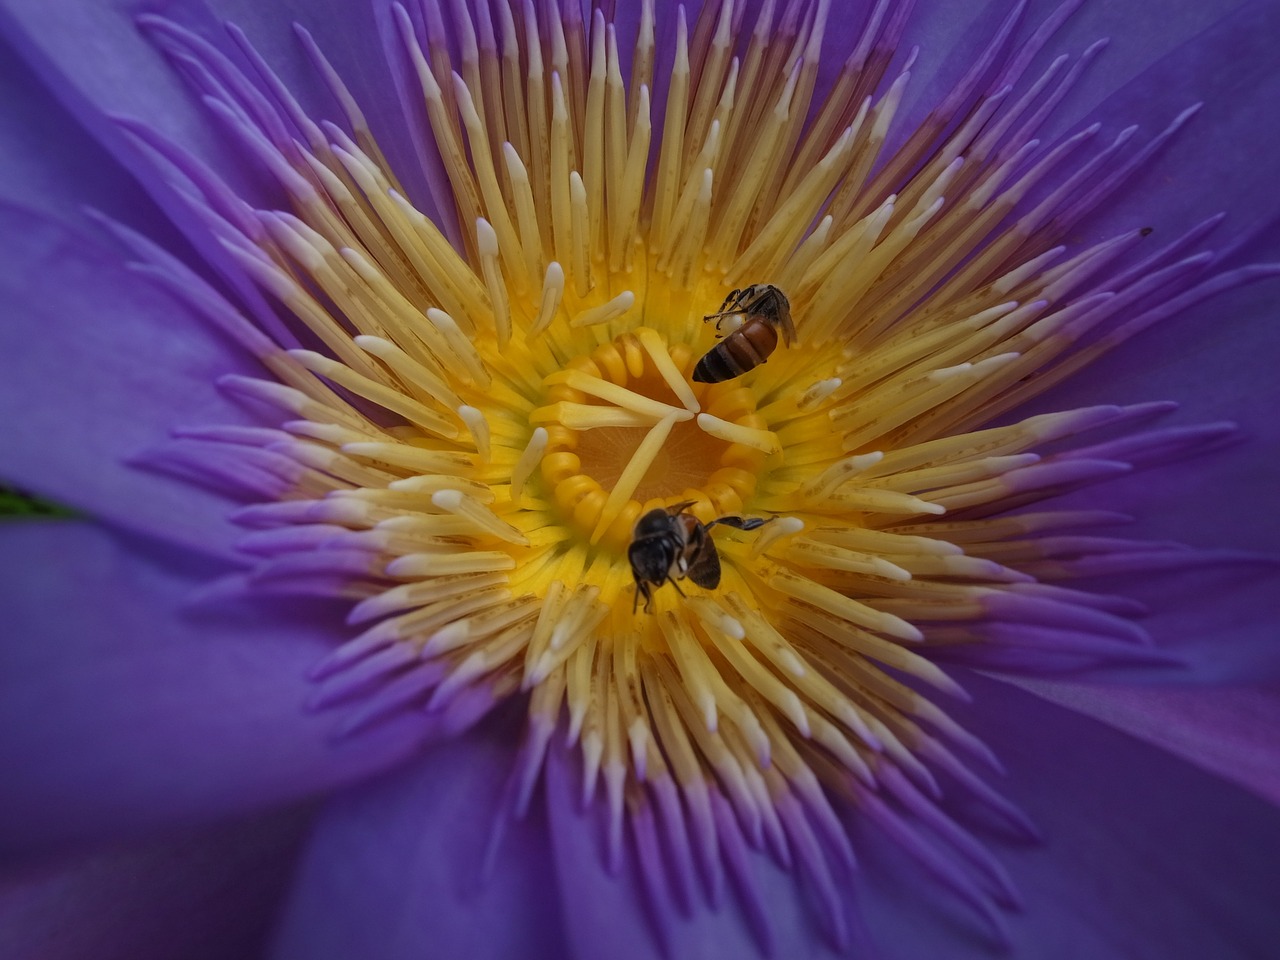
(766, 310)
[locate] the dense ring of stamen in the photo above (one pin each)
(468, 446)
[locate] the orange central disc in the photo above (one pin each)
(624, 436)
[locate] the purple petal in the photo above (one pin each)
(124, 711)
(91, 84)
(209, 894)
(347, 36)
(620, 915)
(1214, 358)
(1223, 160)
(1144, 856)
(119, 73)
(394, 869)
(1219, 618)
(948, 35)
(1233, 732)
(49, 161)
(98, 366)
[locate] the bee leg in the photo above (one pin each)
(720, 315)
(742, 523)
(642, 589)
(732, 305)
(676, 585)
(734, 296)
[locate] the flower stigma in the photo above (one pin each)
(471, 410)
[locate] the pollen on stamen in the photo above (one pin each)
(465, 438)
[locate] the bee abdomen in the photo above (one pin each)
(716, 366)
(742, 351)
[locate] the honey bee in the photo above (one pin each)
(767, 311)
(670, 544)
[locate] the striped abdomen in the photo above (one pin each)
(743, 350)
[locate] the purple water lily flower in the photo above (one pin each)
(357, 656)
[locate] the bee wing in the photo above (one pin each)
(705, 569)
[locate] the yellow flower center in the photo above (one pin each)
(626, 434)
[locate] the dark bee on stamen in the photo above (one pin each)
(669, 544)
